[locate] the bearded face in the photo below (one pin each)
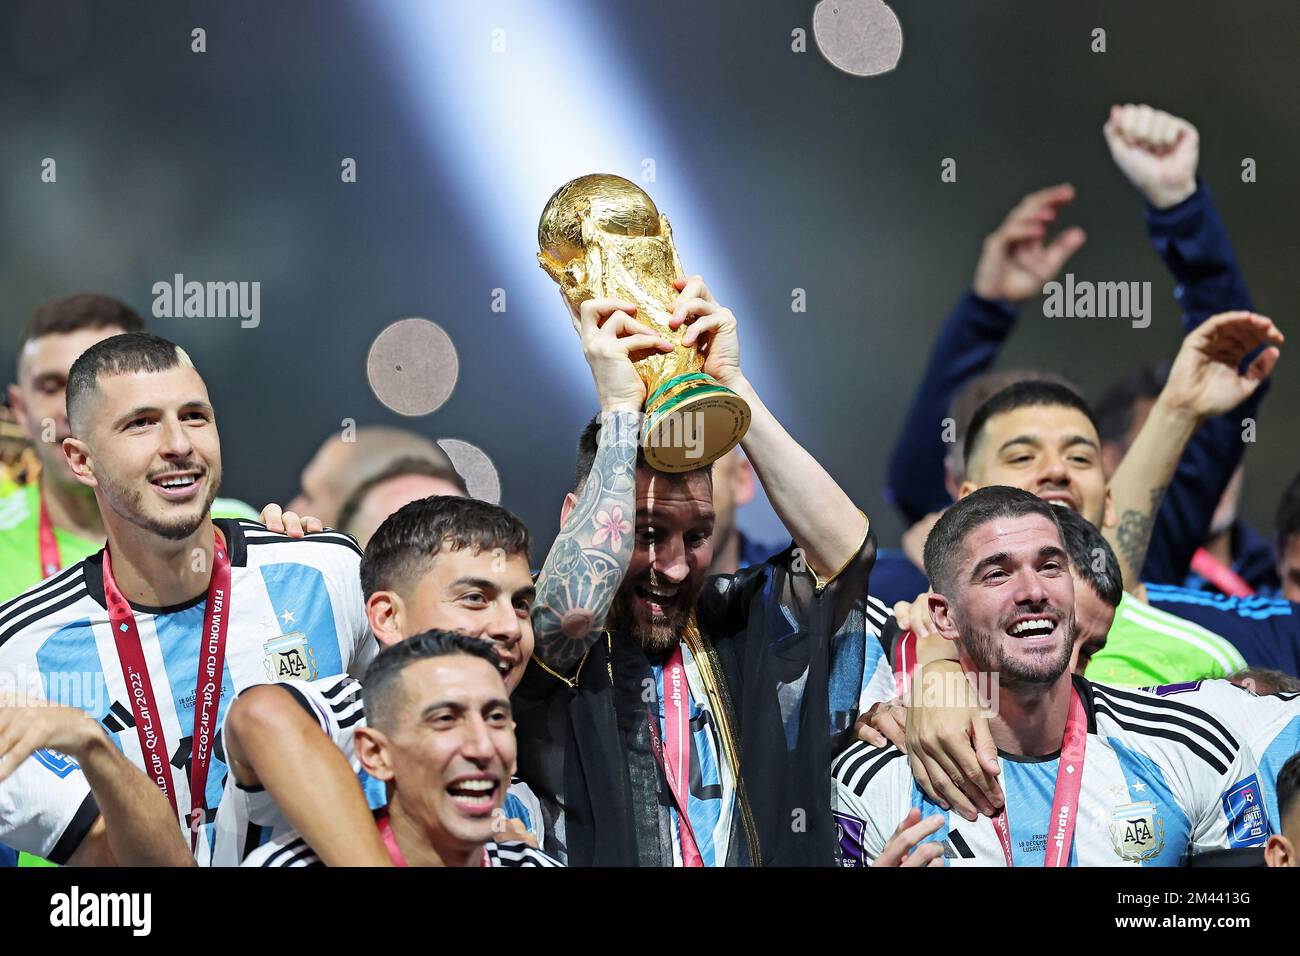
(1014, 608)
(1018, 663)
(670, 559)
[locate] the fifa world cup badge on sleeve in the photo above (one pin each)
(59, 764)
(1244, 807)
(848, 833)
(1136, 831)
(289, 657)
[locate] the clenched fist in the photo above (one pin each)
(1155, 150)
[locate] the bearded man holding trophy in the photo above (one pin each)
(679, 719)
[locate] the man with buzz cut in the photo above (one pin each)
(441, 739)
(1093, 775)
(55, 521)
(1260, 708)
(179, 612)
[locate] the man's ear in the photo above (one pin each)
(967, 486)
(78, 454)
(1278, 851)
(941, 613)
(386, 614)
(18, 406)
(951, 482)
(372, 749)
(570, 500)
(1108, 517)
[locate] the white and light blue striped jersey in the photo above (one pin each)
(1162, 779)
(46, 807)
(877, 674)
(249, 818)
(1268, 724)
(295, 611)
(290, 849)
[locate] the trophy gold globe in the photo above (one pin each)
(601, 236)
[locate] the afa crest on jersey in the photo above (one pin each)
(57, 763)
(289, 657)
(1137, 831)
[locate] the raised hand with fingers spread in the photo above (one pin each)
(1017, 260)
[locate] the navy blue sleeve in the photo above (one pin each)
(895, 578)
(1265, 630)
(967, 346)
(1193, 242)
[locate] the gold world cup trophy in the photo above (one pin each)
(602, 237)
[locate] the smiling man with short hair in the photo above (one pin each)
(1093, 775)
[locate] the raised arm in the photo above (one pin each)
(1204, 381)
(1014, 263)
(137, 826)
(591, 553)
(814, 509)
(271, 741)
(1158, 153)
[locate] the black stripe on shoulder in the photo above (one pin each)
(874, 768)
(47, 589)
(316, 537)
(864, 754)
(345, 684)
(860, 765)
(274, 859)
(301, 700)
(852, 750)
(346, 705)
(19, 625)
(519, 854)
(1151, 700)
(304, 857)
(1159, 708)
(352, 719)
(1219, 766)
(876, 610)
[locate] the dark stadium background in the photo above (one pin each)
(778, 171)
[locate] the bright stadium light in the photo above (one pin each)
(513, 99)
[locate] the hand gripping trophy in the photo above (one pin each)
(601, 236)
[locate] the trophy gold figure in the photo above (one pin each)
(601, 236)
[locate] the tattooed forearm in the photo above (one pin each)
(1133, 537)
(590, 555)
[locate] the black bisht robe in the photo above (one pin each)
(775, 639)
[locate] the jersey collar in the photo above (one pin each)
(92, 570)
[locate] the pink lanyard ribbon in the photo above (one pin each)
(1065, 799)
(1220, 575)
(395, 852)
(207, 694)
(677, 750)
